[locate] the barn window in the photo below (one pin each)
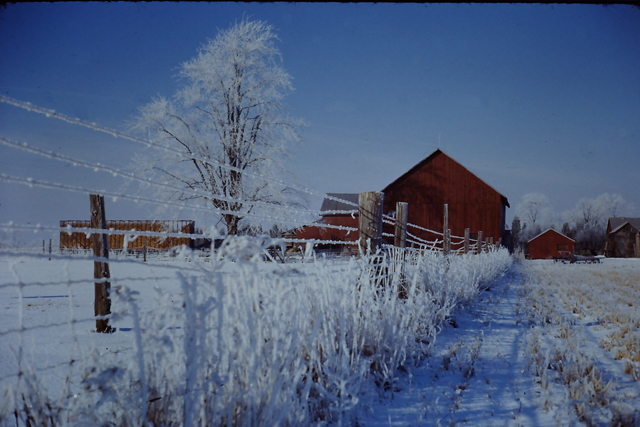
(563, 247)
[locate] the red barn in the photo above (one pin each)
(550, 243)
(436, 180)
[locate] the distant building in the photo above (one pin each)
(329, 216)
(436, 180)
(622, 238)
(79, 240)
(549, 244)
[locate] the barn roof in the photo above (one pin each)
(548, 230)
(617, 223)
(333, 205)
(426, 161)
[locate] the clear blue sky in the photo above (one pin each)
(528, 97)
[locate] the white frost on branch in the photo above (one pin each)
(229, 112)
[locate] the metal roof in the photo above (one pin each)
(334, 205)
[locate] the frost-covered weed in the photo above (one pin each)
(561, 302)
(248, 343)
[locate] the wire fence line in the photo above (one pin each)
(143, 199)
(118, 134)
(133, 234)
(46, 296)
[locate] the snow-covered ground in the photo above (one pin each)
(543, 344)
(533, 350)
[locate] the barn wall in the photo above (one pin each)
(472, 203)
(319, 233)
(546, 245)
(77, 240)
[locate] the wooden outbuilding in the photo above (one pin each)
(429, 185)
(79, 240)
(550, 244)
(623, 238)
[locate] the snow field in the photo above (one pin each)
(225, 341)
(475, 373)
(584, 340)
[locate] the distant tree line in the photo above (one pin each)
(586, 223)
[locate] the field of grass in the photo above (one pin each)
(584, 342)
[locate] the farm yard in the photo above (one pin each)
(223, 273)
(477, 340)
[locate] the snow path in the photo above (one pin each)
(476, 374)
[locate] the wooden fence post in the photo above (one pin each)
(467, 234)
(638, 245)
(479, 249)
(50, 249)
(445, 243)
(370, 213)
(145, 249)
(102, 301)
(402, 216)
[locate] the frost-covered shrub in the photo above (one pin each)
(249, 343)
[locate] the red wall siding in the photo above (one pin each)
(319, 233)
(546, 245)
(472, 203)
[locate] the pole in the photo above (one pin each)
(370, 221)
(479, 248)
(102, 301)
(467, 234)
(445, 237)
(402, 216)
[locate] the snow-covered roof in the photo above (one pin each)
(555, 231)
(334, 205)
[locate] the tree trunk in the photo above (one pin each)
(232, 224)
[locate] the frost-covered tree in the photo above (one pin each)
(228, 125)
(589, 220)
(534, 212)
(516, 232)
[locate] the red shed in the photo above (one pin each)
(329, 207)
(550, 243)
(437, 180)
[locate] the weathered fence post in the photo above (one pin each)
(638, 245)
(402, 216)
(479, 250)
(102, 301)
(145, 249)
(50, 249)
(467, 234)
(445, 240)
(370, 213)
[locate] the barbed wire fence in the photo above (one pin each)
(63, 288)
